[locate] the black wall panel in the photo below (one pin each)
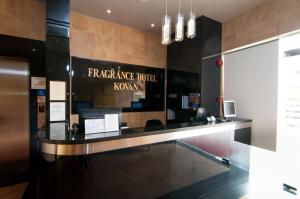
(192, 68)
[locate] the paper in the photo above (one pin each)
(101, 135)
(57, 90)
(111, 122)
(185, 102)
(57, 131)
(94, 126)
(94, 135)
(38, 83)
(57, 111)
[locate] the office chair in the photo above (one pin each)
(153, 122)
(152, 125)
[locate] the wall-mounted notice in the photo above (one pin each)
(94, 126)
(38, 83)
(57, 131)
(57, 111)
(111, 122)
(185, 102)
(57, 90)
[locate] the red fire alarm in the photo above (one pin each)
(219, 100)
(220, 62)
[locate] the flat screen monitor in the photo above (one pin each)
(137, 105)
(229, 109)
(78, 105)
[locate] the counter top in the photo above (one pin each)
(67, 143)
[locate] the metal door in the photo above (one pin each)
(14, 116)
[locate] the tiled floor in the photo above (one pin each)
(267, 174)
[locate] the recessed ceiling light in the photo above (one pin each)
(108, 11)
(152, 25)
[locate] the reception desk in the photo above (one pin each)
(183, 160)
(68, 143)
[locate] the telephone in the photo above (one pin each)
(211, 119)
(208, 119)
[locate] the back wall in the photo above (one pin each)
(97, 39)
(90, 38)
(269, 19)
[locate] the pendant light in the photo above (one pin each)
(191, 25)
(166, 28)
(179, 28)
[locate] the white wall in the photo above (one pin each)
(251, 79)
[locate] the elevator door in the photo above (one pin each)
(14, 114)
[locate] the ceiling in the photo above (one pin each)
(141, 13)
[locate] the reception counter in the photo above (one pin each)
(68, 143)
(185, 160)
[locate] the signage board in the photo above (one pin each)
(102, 84)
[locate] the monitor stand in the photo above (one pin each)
(229, 119)
(221, 119)
(225, 119)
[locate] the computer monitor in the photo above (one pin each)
(78, 105)
(229, 109)
(137, 105)
(98, 113)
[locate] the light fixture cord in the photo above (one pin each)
(191, 5)
(179, 6)
(166, 7)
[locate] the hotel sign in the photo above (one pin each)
(97, 83)
(130, 77)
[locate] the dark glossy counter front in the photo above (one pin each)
(67, 143)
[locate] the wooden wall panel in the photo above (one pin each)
(98, 39)
(139, 119)
(23, 18)
(133, 119)
(267, 20)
